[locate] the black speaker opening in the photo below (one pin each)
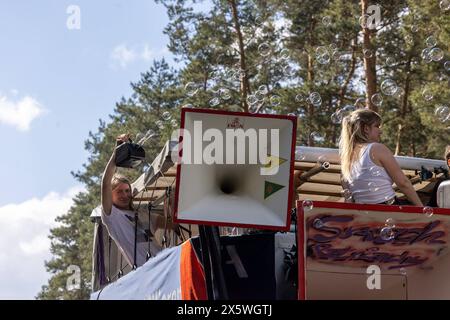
(228, 185)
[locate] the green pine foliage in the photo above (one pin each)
(271, 56)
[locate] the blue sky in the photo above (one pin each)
(55, 84)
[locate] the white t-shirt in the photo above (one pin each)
(120, 225)
(369, 183)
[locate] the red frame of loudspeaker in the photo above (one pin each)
(239, 114)
(341, 205)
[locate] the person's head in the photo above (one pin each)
(360, 126)
(121, 192)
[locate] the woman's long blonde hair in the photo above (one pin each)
(352, 133)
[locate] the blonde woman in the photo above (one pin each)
(369, 167)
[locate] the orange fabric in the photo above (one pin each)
(192, 275)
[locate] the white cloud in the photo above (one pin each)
(24, 243)
(19, 113)
(123, 55)
(147, 54)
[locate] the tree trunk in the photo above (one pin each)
(404, 106)
(310, 138)
(369, 62)
(350, 74)
(245, 86)
(399, 134)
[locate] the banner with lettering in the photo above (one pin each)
(341, 240)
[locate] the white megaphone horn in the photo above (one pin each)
(235, 169)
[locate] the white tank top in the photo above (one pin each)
(369, 183)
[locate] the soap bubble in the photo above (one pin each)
(259, 21)
(174, 123)
(323, 55)
(326, 21)
(430, 42)
(166, 116)
(388, 87)
(326, 165)
(335, 118)
(368, 53)
(390, 62)
(414, 28)
(427, 95)
(324, 59)
(262, 89)
(275, 100)
(187, 106)
(444, 5)
(191, 89)
(264, 49)
(284, 54)
(315, 136)
(347, 194)
(214, 102)
(320, 51)
(428, 211)
(160, 124)
(375, 171)
(307, 205)
(436, 54)
(447, 66)
(426, 55)
(442, 112)
(317, 224)
(377, 99)
(363, 20)
(387, 233)
(389, 223)
(225, 94)
(252, 99)
(399, 93)
(299, 98)
(315, 98)
(372, 187)
(360, 103)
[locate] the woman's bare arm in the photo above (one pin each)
(108, 174)
(386, 158)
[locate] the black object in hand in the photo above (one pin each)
(129, 155)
